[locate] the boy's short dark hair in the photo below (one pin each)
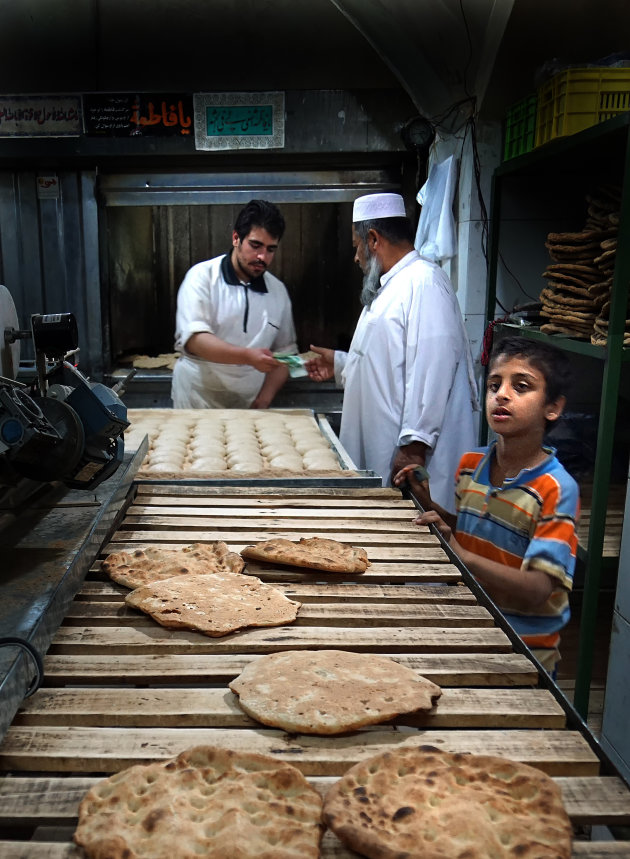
(549, 360)
(260, 213)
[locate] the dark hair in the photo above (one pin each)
(550, 361)
(260, 213)
(395, 230)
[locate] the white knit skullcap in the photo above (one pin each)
(373, 206)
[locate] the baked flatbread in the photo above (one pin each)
(584, 272)
(153, 563)
(149, 362)
(318, 553)
(552, 328)
(206, 802)
(437, 805)
(558, 296)
(578, 238)
(567, 284)
(214, 604)
(330, 691)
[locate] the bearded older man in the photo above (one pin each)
(409, 389)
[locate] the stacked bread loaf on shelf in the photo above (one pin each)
(576, 299)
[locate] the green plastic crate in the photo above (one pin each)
(520, 127)
(578, 98)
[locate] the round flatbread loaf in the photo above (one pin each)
(153, 563)
(436, 805)
(206, 802)
(318, 553)
(214, 604)
(330, 691)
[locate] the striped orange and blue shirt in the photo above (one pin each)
(527, 523)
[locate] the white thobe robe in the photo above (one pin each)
(408, 377)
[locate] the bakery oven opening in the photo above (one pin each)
(149, 248)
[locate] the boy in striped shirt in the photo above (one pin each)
(516, 505)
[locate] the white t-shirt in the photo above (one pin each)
(258, 316)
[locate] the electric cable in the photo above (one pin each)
(14, 641)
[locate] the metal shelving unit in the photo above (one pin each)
(573, 164)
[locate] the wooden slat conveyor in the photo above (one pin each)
(120, 690)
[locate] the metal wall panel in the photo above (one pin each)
(48, 247)
(317, 185)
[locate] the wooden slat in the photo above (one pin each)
(54, 801)
(156, 639)
(310, 614)
(37, 748)
(381, 526)
(601, 850)
(304, 513)
(457, 669)
(329, 850)
(206, 708)
(356, 502)
(614, 519)
(277, 493)
(430, 569)
(380, 545)
(324, 592)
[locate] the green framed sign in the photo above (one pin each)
(239, 120)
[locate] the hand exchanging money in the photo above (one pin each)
(321, 368)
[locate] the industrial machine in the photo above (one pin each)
(59, 426)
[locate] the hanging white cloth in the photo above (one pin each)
(435, 236)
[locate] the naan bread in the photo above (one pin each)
(317, 553)
(437, 805)
(164, 360)
(153, 563)
(206, 802)
(214, 604)
(330, 691)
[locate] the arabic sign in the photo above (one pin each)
(132, 115)
(40, 116)
(47, 187)
(239, 120)
(235, 120)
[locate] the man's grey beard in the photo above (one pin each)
(371, 282)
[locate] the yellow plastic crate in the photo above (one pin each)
(578, 98)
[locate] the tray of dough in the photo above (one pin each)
(289, 446)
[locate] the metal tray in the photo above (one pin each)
(358, 478)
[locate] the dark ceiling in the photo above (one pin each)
(439, 51)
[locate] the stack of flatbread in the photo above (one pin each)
(330, 691)
(316, 553)
(206, 802)
(579, 279)
(603, 211)
(437, 805)
(199, 587)
(228, 443)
